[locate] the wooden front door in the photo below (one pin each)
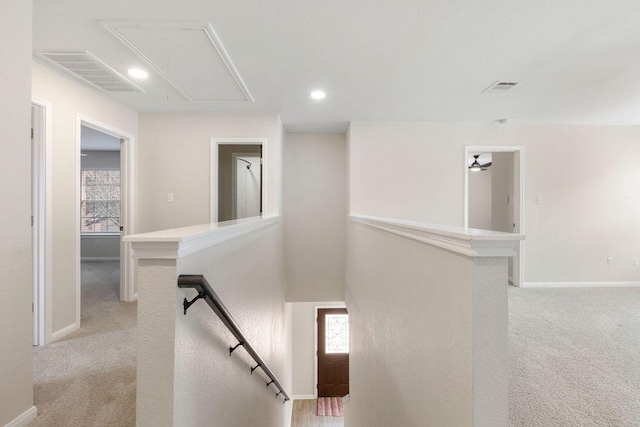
(333, 352)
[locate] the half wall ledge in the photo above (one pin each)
(179, 242)
(470, 242)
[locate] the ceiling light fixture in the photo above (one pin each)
(318, 94)
(137, 73)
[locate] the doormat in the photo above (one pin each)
(330, 407)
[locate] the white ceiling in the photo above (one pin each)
(576, 61)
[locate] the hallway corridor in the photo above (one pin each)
(89, 377)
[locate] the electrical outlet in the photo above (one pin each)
(96, 242)
(636, 261)
(170, 197)
(610, 261)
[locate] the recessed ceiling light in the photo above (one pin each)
(137, 73)
(318, 94)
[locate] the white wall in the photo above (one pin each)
(16, 319)
(174, 156)
(68, 99)
(314, 216)
(411, 332)
(185, 375)
(480, 199)
(501, 191)
(252, 288)
(586, 214)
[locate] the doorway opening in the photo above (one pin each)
(238, 175)
(332, 352)
(105, 199)
(494, 196)
(100, 218)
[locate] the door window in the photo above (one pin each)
(337, 334)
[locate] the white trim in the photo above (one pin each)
(114, 26)
(518, 169)
(43, 294)
(581, 284)
(65, 331)
(180, 242)
(303, 397)
(25, 418)
(213, 171)
(127, 176)
(315, 339)
(100, 258)
(470, 242)
(99, 235)
(288, 414)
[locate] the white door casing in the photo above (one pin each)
(518, 200)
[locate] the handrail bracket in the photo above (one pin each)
(186, 304)
(232, 349)
(200, 284)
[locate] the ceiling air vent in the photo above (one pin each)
(89, 69)
(500, 87)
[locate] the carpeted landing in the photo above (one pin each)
(89, 377)
(574, 357)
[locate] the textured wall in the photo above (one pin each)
(303, 348)
(70, 98)
(16, 291)
(411, 325)
(415, 171)
(210, 386)
(314, 216)
(174, 156)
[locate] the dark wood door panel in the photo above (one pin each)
(333, 368)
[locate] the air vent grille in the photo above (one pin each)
(88, 68)
(500, 87)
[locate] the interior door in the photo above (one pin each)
(333, 352)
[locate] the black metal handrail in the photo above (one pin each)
(200, 284)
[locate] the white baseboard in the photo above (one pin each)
(64, 332)
(100, 258)
(288, 414)
(580, 284)
(303, 396)
(25, 418)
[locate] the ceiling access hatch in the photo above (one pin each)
(188, 55)
(90, 70)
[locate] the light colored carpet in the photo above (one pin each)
(574, 357)
(89, 377)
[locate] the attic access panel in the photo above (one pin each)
(188, 55)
